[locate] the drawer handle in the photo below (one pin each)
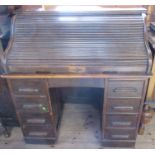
(35, 133)
(124, 89)
(32, 105)
(28, 90)
(120, 136)
(122, 123)
(123, 107)
(36, 120)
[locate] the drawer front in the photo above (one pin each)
(123, 105)
(120, 134)
(126, 121)
(38, 131)
(36, 140)
(31, 119)
(119, 144)
(118, 89)
(32, 104)
(28, 86)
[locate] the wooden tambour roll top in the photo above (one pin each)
(78, 42)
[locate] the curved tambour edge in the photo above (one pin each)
(72, 42)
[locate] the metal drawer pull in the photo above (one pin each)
(28, 90)
(120, 136)
(33, 105)
(121, 123)
(123, 107)
(36, 120)
(35, 133)
(124, 89)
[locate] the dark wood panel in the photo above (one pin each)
(118, 144)
(36, 119)
(43, 141)
(125, 88)
(38, 131)
(119, 134)
(32, 104)
(7, 109)
(116, 68)
(123, 105)
(28, 87)
(122, 121)
(66, 40)
(96, 83)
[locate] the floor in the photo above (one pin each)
(80, 129)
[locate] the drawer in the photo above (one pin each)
(120, 121)
(123, 105)
(28, 86)
(120, 134)
(118, 89)
(119, 144)
(38, 131)
(32, 119)
(49, 141)
(32, 104)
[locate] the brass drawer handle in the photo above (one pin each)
(120, 136)
(124, 89)
(28, 90)
(123, 107)
(122, 123)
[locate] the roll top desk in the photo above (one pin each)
(101, 49)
